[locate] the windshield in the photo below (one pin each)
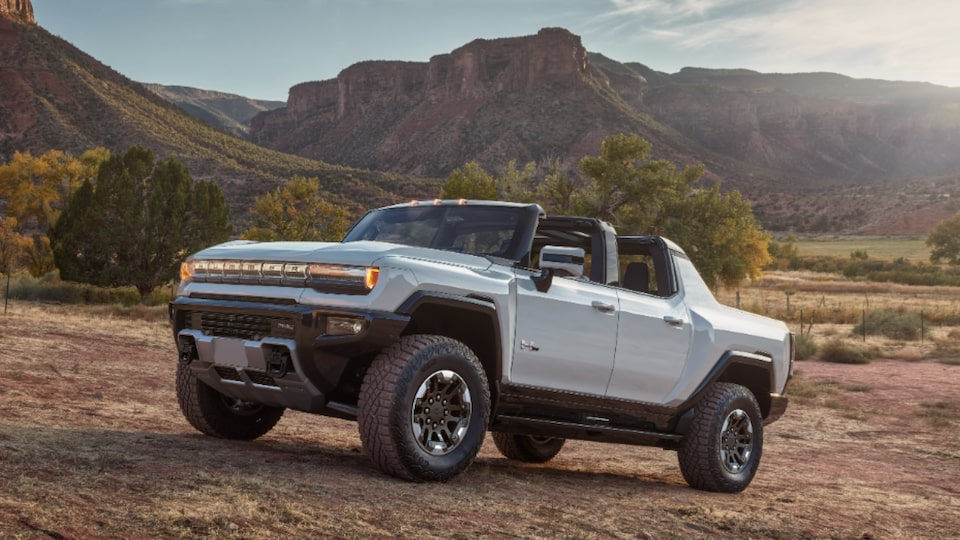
(497, 231)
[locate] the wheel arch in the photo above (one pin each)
(472, 320)
(751, 370)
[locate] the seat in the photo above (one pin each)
(637, 277)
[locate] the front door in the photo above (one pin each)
(566, 337)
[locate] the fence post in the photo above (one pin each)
(863, 324)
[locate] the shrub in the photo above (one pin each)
(50, 288)
(806, 346)
(840, 352)
(889, 323)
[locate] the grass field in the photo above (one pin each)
(877, 247)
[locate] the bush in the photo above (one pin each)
(891, 324)
(839, 352)
(806, 347)
(50, 288)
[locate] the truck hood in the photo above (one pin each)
(362, 253)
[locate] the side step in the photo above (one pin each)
(588, 432)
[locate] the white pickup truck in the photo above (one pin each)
(432, 323)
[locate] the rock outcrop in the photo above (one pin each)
(18, 10)
(490, 100)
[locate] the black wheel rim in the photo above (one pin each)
(736, 441)
(441, 412)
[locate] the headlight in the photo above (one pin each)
(322, 277)
(326, 276)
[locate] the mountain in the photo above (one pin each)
(229, 112)
(815, 151)
(529, 98)
(54, 96)
(812, 152)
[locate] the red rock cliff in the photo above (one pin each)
(350, 119)
(20, 10)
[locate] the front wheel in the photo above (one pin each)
(528, 448)
(423, 408)
(721, 452)
(215, 414)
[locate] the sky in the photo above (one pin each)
(260, 48)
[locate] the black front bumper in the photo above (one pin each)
(275, 353)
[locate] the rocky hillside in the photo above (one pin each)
(530, 98)
(229, 112)
(54, 96)
(817, 152)
(815, 125)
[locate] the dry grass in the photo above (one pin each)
(92, 445)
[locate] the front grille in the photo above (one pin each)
(235, 325)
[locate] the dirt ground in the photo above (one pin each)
(92, 445)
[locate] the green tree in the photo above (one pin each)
(719, 234)
(296, 211)
(640, 195)
(944, 241)
(470, 182)
(518, 185)
(136, 224)
(558, 191)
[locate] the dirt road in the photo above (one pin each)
(92, 444)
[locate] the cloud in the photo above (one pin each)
(865, 38)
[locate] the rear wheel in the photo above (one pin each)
(528, 448)
(722, 450)
(215, 414)
(423, 408)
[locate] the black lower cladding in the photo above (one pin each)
(322, 357)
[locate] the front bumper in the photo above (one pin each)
(274, 353)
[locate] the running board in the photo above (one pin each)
(587, 432)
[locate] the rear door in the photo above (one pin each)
(654, 327)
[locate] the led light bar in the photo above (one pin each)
(322, 277)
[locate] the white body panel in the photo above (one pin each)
(580, 357)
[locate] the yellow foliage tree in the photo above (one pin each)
(297, 212)
(36, 188)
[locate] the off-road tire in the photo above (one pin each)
(528, 448)
(394, 419)
(721, 451)
(215, 414)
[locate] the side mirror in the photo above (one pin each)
(562, 260)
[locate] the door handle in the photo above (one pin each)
(673, 321)
(603, 307)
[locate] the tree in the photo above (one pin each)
(36, 188)
(719, 234)
(470, 182)
(11, 249)
(137, 223)
(297, 212)
(944, 241)
(639, 195)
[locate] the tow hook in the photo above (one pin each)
(278, 362)
(188, 350)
